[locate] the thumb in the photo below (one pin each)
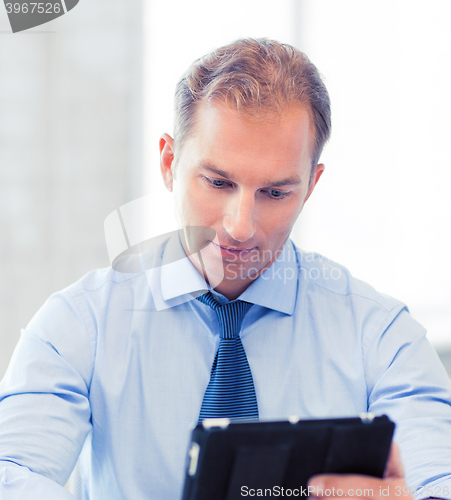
(394, 468)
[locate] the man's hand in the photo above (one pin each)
(347, 486)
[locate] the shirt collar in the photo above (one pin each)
(178, 276)
(275, 289)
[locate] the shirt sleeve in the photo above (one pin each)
(45, 413)
(407, 381)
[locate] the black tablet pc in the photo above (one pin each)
(230, 460)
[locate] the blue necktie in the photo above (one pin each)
(230, 392)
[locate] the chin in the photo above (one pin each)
(212, 266)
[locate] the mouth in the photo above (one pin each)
(233, 250)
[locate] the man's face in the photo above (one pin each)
(247, 180)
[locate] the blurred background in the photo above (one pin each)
(85, 98)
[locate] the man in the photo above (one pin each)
(130, 364)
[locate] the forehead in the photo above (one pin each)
(221, 133)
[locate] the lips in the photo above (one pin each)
(229, 250)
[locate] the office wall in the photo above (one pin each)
(71, 133)
(70, 149)
(382, 208)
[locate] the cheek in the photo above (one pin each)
(278, 221)
(183, 204)
(188, 210)
(278, 231)
(194, 207)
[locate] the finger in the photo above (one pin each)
(338, 496)
(346, 485)
(394, 467)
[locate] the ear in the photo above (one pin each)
(319, 169)
(167, 159)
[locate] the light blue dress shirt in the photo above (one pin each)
(125, 360)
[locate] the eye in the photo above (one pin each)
(275, 194)
(216, 183)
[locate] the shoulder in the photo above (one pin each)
(335, 280)
(101, 296)
(86, 296)
(72, 319)
(126, 276)
(102, 280)
(338, 302)
(331, 293)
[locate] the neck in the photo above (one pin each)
(232, 290)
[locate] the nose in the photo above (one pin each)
(239, 220)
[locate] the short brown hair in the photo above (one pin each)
(257, 77)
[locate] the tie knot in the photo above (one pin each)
(230, 315)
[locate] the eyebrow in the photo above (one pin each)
(283, 182)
